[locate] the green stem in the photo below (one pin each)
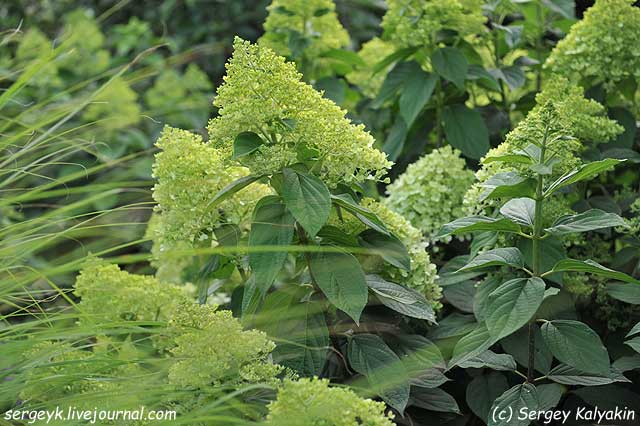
(537, 254)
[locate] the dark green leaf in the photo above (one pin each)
(394, 57)
(483, 390)
(508, 159)
(575, 344)
(517, 345)
(246, 143)
(471, 345)
(461, 295)
(389, 247)
(567, 375)
(565, 8)
(453, 325)
(508, 185)
(513, 304)
(466, 130)
(307, 198)
(394, 80)
(341, 279)
(584, 172)
(483, 77)
(346, 56)
(628, 293)
(477, 223)
(584, 222)
(634, 330)
(549, 395)
(394, 143)
(626, 363)
(365, 215)
(514, 400)
(434, 400)
(481, 297)
(370, 356)
(492, 360)
(272, 225)
(634, 344)
(610, 398)
(504, 256)
(232, 188)
(512, 75)
(333, 235)
(416, 92)
(401, 299)
(451, 64)
(592, 267)
(418, 353)
(626, 119)
(520, 210)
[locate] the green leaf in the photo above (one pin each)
(628, 293)
(567, 375)
(303, 337)
(508, 159)
(471, 345)
(401, 299)
(451, 64)
(482, 77)
(272, 225)
(583, 172)
(394, 143)
(517, 345)
(584, 222)
(307, 198)
(398, 55)
(370, 356)
(549, 395)
(481, 297)
(520, 210)
(626, 363)
(492, 360)
(552, 250)
(520, 397)
(341, 279)
(394, 81)
(507, 185)
(333, 235)
(610, 398)
(483, 391)
(592, 267)
(565, 8)
(389, 247)
(575, 344)
(418, 353)
(466, 130)
(513, 304)
(346, 56)
(365, 215)
(512, 75)
(232, 188)
(634, 344)
(453, 325)
(477, 223)
(246, 143)
(504, 256)
(627, 120)
(416, 92)
(434, 400)
(634, 330)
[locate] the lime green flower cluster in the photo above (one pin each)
(86, 55)
(213, 349)
(603, 46)
(634, 222)
(303, 21)
(429, 193)
(115, 105)
(109, 294)
(189, 173)
(181, 99)
(35, 45)
(416, 23)
(263, 94)
(363, 76)
(311, 402)
(422, 274)
(562, 106)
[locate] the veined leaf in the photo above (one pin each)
(434, 400)
(389, 247)
(583, 172)
(492, 360)
(575, 344)
(520, 210)
(477, 223)
(634, 344)
(628, 293)
(503, 256)
(524, 396)
(471, 345)
(366, 216)
(232, 188)
(341, 279)
(568, 375)
(483, 391)
(307, 198)
(507, 185)
(272, 225)
(513, 304)
(370, 356)
(401, 299)
(583, 222)
(451, 64)
(466, 130)
(246, 143)
(592, 267)
(417, 90)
